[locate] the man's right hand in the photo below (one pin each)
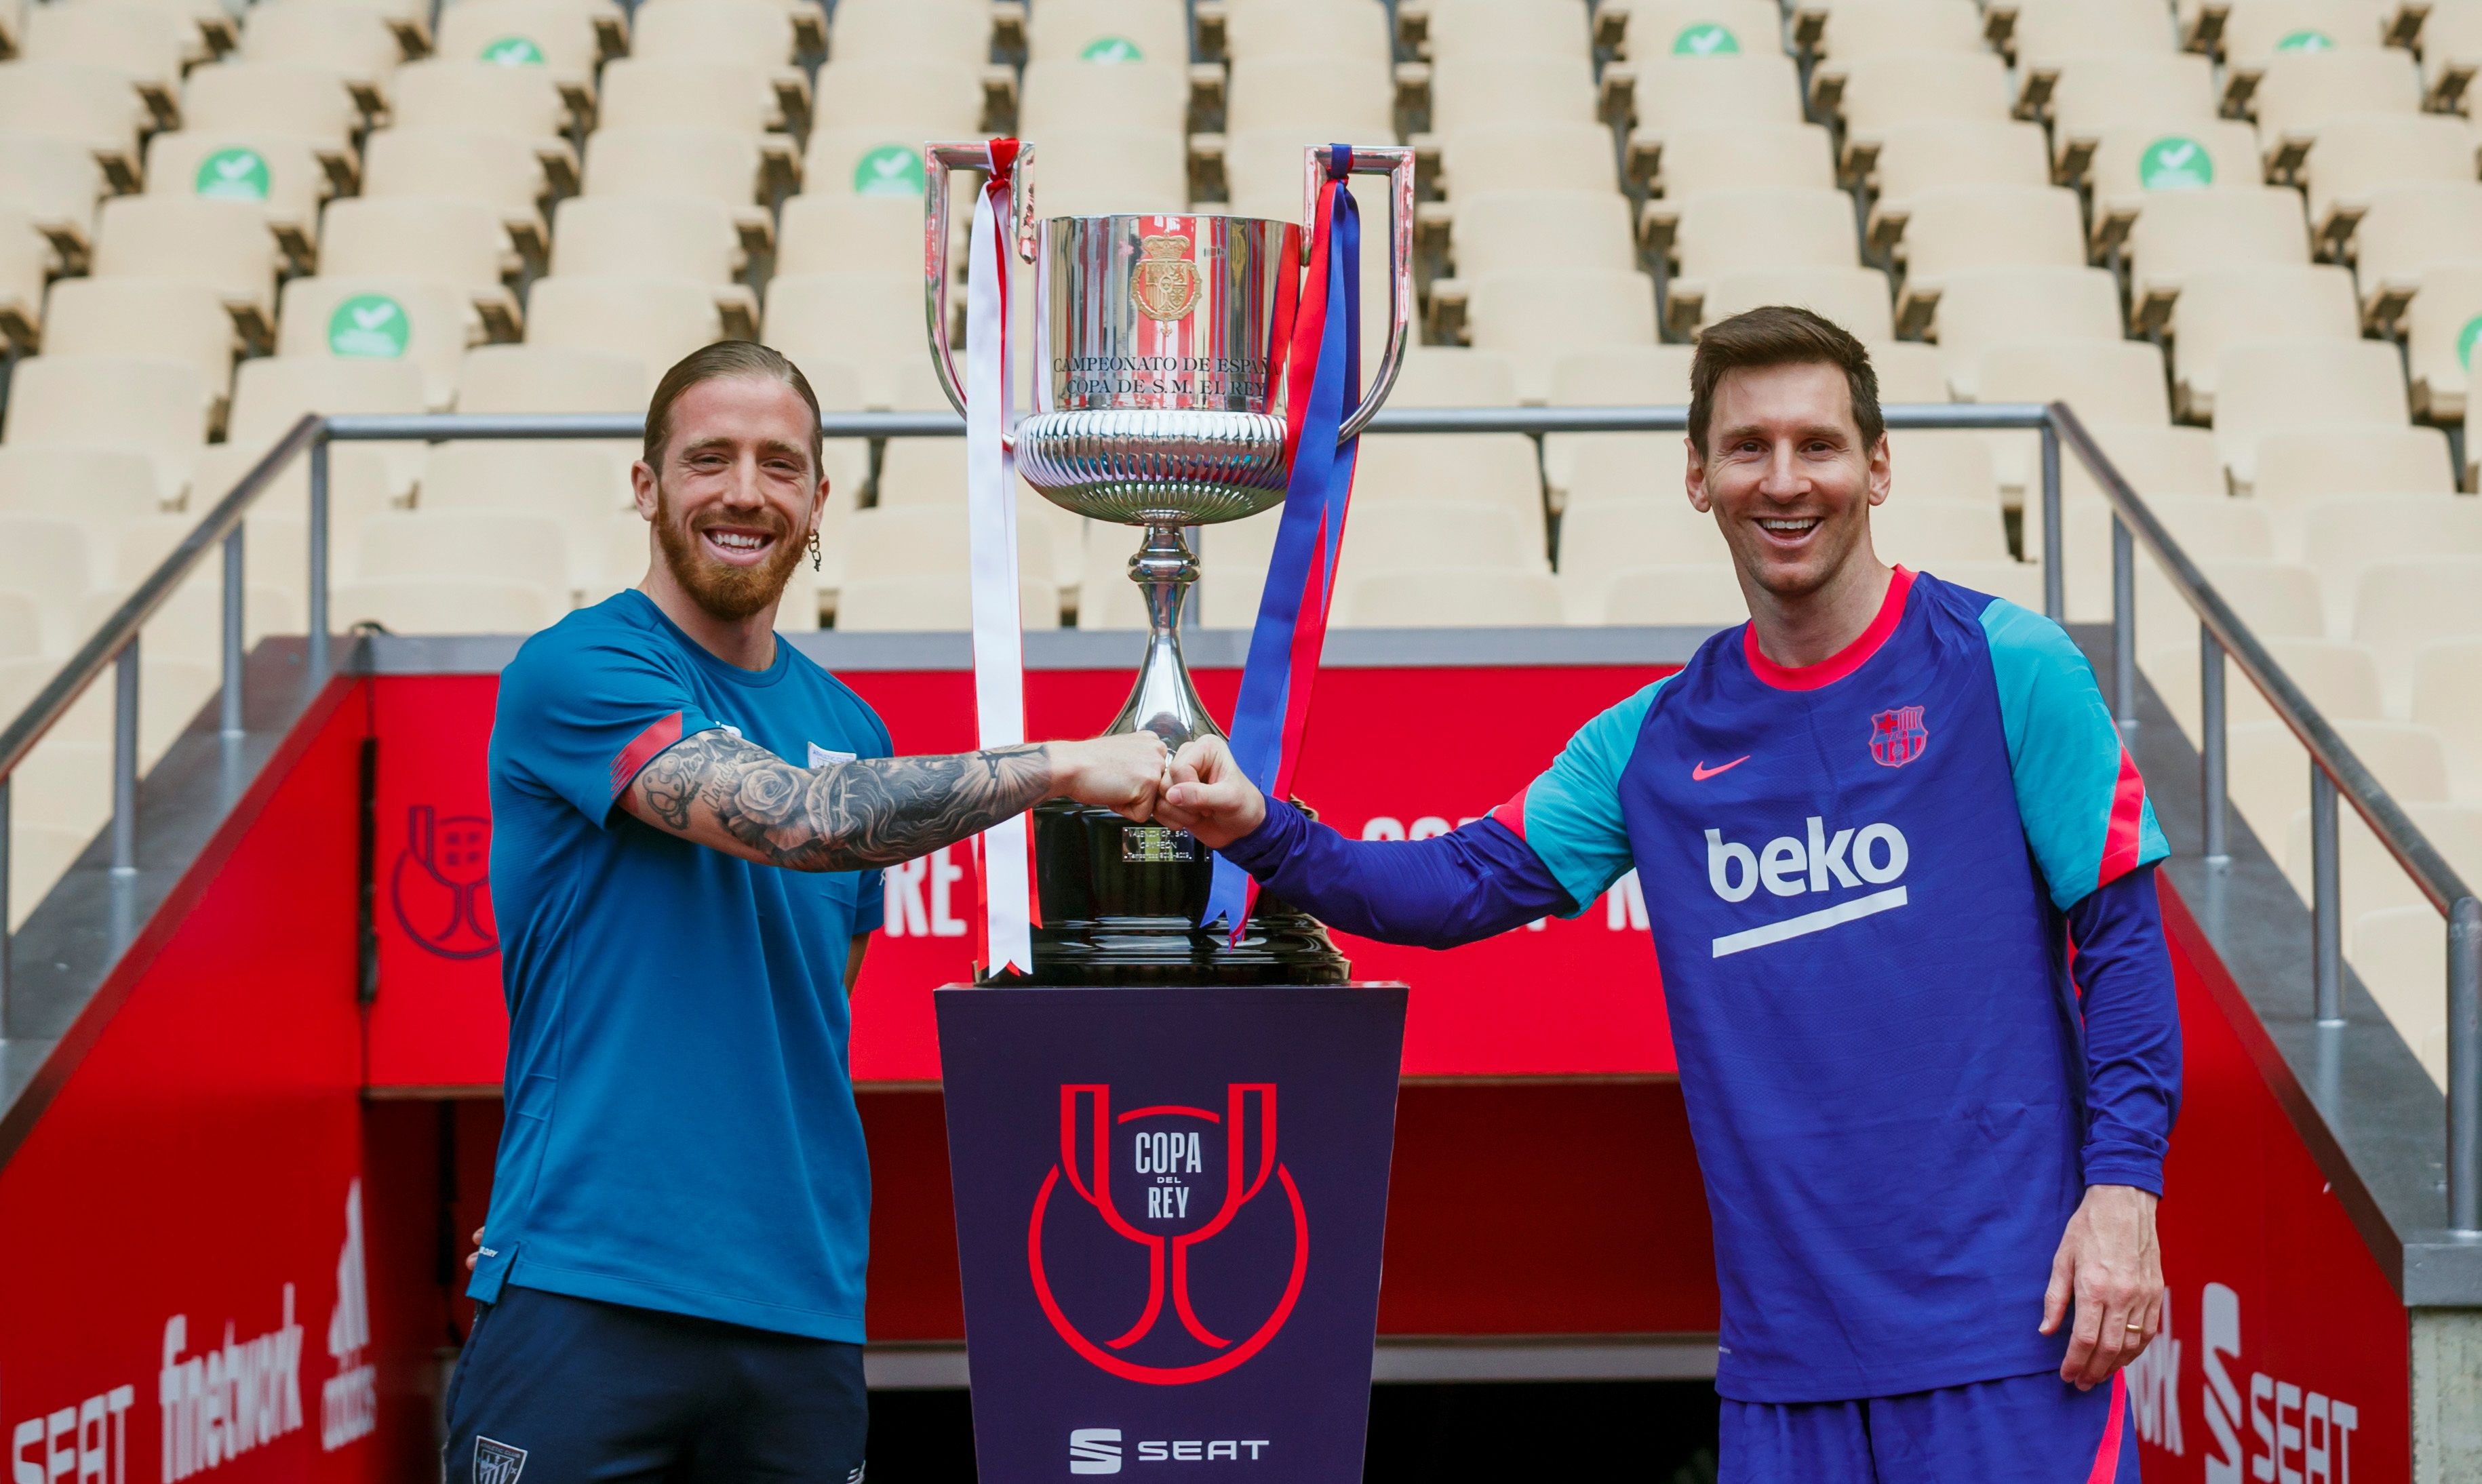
(1210, 797)
(1123, 774)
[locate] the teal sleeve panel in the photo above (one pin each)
(1570, 815)
(2086, 814)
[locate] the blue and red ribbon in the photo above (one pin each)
(1323, 385)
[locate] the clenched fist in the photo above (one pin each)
(1124, 774)
(1210, 797)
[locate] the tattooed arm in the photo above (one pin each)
(733, 795)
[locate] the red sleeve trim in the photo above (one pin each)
(642, 750)
(2120, 840)
(1513, 815)
(1844, 661)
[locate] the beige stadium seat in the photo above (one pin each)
(2210, 528)
(2131, 167)
(831, 233)
(277, 97)
(1984, 226)
(55, 561)
(355, 40)
(102, 489)
(1602, 538)
(1692, 28)
(2302, 93)
(2270, 770)
(563, 37)
(2344, 535)
(551, 379)
(1853, 297)
(2371, 880)
(1696, 594)
(2270, 386)
(1666, 95)
(506, 171)
(2302, 464)
(2042, 33)
(1944, 468)
(1105, 171)
(2252, 30)
(873, 159)
(1742, 231)
(1981, 307)
(466, 544)
(656, 321)
(1422, 534)
(146, 45)
(1460, 29)
(429, 322)
(1616, 468)
(1513, 231)
(2401, 956)
(933, 99)
(2407, 231)
(874, 320)
(2158, 462)
(880, 31)
(439, 605)
(225, 245)
(57, 183)
(152, 405)
(2342, 679)
(930, 602)
(286, 177)
(656, 237)
(1943, 154)
(1482, 469)
(1448, 598)
(168, 317)
(2276, 599)
(460, 240)
(1480, 89)
(2362, 154)
(1536, 317)
(2401, 606)
(575, 484)
(1849, 30)
(1454, 377)
(1305, 28)
(1263, 167)
(2221, 307)
(2103, 381)
(661, 93)
(1909, 370)
(2194, 231)
(2442, 326)
(2446, 699)
(718, 163)
(21, 632)
(462, 93)
(73, 100)
(753, 33)
(1938, 533)
(1348, 99)
(2097, 93)
(1147, 33)
(1789, 156)
(25, 260)
(2451, 51)
(1614, 375)
(1073, 94)
(1878, 93)
(271, 393)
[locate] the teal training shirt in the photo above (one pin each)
(681, 1133)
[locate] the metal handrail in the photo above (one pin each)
(2337, 773)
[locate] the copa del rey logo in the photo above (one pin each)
(1196, 1198)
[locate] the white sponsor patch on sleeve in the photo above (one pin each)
(821, 757)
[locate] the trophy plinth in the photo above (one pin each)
(1159, 402)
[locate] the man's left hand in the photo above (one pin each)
(2109, 1264)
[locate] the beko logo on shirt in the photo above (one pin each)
(1818, 860)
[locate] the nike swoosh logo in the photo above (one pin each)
(1702, 772)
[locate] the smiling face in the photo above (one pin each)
(1787, 475)
(737, 493)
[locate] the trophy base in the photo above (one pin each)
(1120, 906)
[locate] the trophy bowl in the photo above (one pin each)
(1159, 396)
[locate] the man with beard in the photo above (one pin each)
(688, 820)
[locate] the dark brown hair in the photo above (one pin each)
(1780, 335)
(727, 358)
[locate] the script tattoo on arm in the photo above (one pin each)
(735, 796)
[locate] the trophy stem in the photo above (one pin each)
(1164, 701)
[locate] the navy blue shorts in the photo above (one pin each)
(2024, 1430)
(553, 1390)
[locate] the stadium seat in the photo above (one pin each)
(356, 41)
(458, 240)
(2158, 461)
(653, 236)
(718, 163)
(1612, 376)
(2407, 231)
(427, 605)
(2224, 306)
(1981, 307)
(930, 601)
(286, 177)
(1741, 231)
(1424, 535)
(1305, 28)
(551, 379)
(1691, 28)
(929, 100)
(661, 93)
(1262, 168)
(1853, 297)
(751, 33)
(2342, 679)
(2360, 154)
(1936, 535)
(2276, 599)
(2132, 166)
(955, 31)
(147, 404)
(1517, 231)
(1945, 468)
(2268, 386)
(1479, 91)
(2401, 606)
(2451, 52)
(1535, 317)
(2302, 93)
(2301, 464)
(1066, 94)
(1701, 596)
(1944, 154)
(1908, 370)
(1455, 30)
(573, 484)
(1499, 470)
(874, 320)
(100, 489)
(2446, 699)
(1139, 32)
(1984, 226)
(1783, 156)
(57, 183)
(452, 545)
(147, 317)
(2097, 93)
(2104, 382)
(1659, 96)
(271, 393)
(55, 563)
(2401, 956)
(654, 321)
(2270, 770)
(1878, 93)
(429, 322)
(2252, 30)
(1448, 598)
(2441, 324)
(89, 105)
(1599, 538)
(2043, 34)
(461, 93)
(1354, 97)
(2372, 881)
(506, 171)
(299, 98)
(566, 39)
(2187, 232)
(1106, 171)
(225, 245)
(2343, 537)
(147, 46)
(1849, 30)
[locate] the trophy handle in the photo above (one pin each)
(1396, 163)
(938, 160)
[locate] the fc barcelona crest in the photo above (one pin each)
(1166, 281)
(1897, 737)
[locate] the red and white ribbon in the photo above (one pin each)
(991, 514)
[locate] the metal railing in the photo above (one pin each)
(2336, 774)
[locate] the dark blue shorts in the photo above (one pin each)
(553, 1390)
(2022, 1430)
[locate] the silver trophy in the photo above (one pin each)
(1159, 402)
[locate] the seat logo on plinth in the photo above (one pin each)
(1188, 1175)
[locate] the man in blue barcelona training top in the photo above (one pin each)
(687, 820)
(1869, 823)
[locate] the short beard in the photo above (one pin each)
(727, 592)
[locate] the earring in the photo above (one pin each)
(818, 562)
